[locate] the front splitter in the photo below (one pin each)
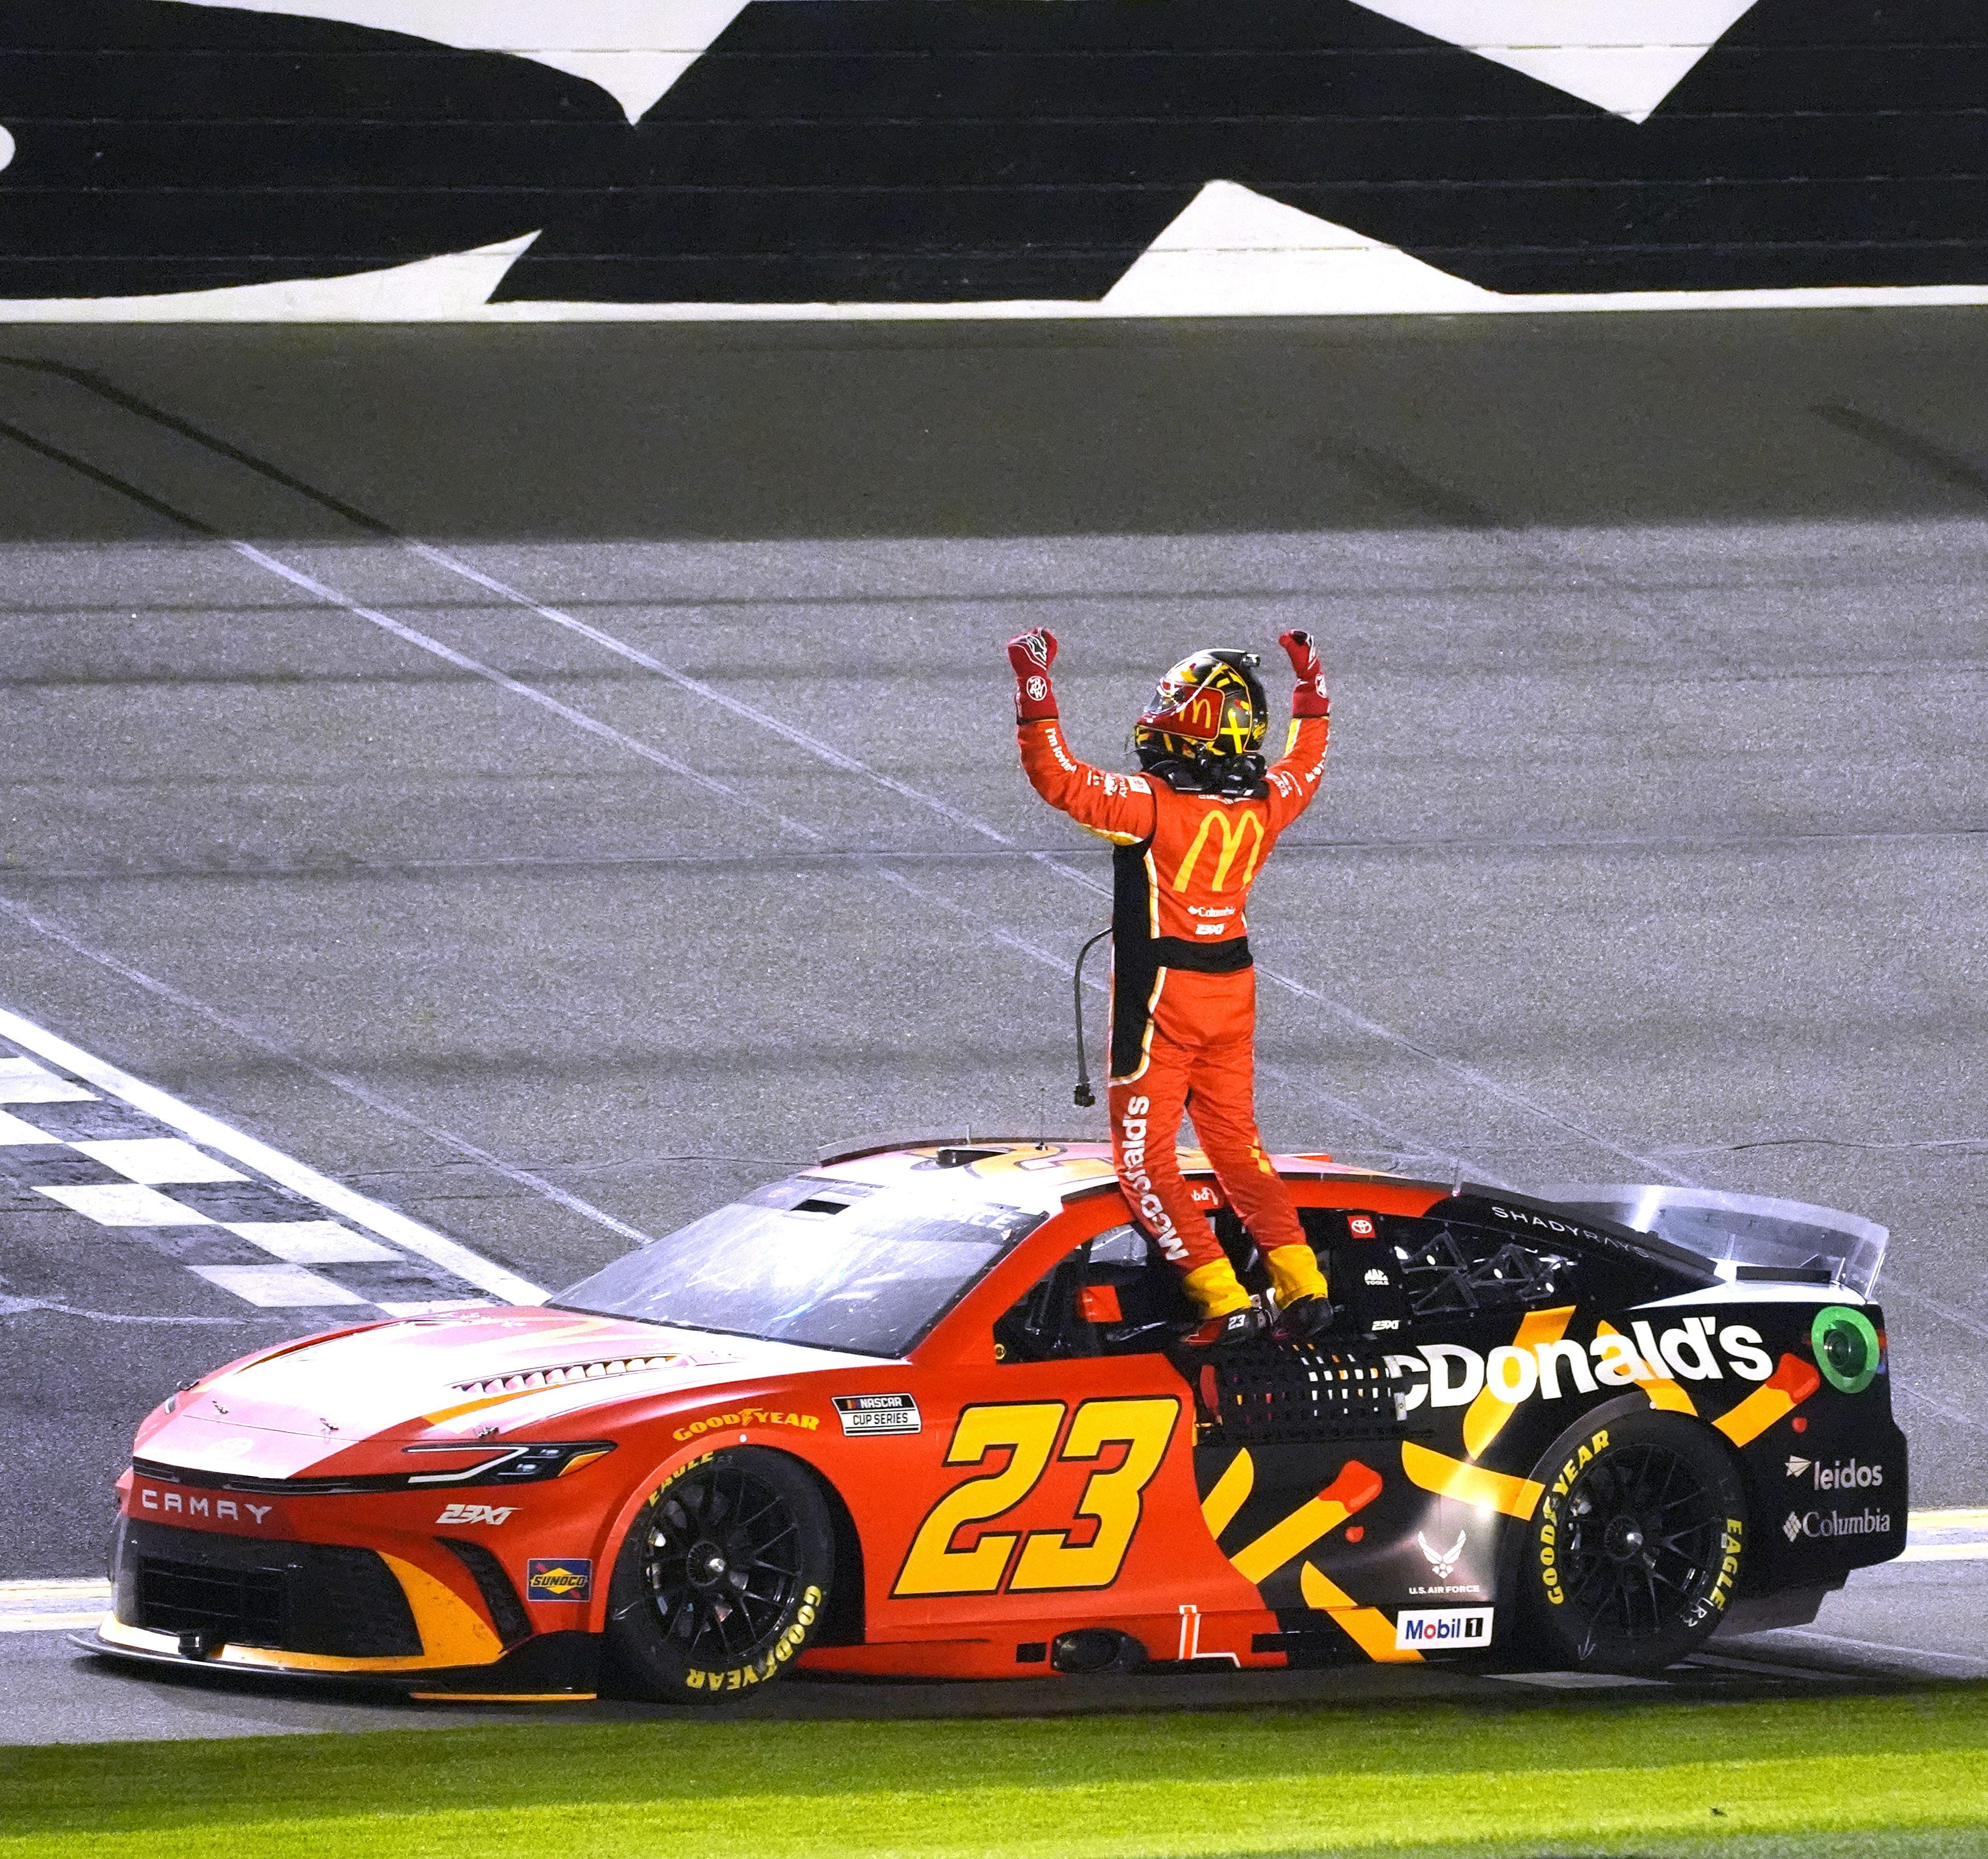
(550, 1668)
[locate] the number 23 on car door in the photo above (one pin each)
(1044, 1495)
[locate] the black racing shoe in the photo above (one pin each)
(1231, 1331)
(1304, 1319)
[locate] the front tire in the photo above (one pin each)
(1634, 1552)
(723, 1580)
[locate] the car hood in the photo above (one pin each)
(465, 1375)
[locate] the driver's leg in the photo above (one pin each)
(1145, 1127)
(1224, 1110)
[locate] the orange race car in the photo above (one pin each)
(927, 1411)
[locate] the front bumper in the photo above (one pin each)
(199, 1598)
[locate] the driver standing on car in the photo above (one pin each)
(1191, 831)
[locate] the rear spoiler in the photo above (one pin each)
(1747, 1238)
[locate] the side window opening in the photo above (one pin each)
(1389, 1271)
(1453, 1268)
(1114, 1295)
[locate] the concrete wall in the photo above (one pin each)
(520, 159)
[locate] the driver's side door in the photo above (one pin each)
(1056, 1473)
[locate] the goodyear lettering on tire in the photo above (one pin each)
(757, 1671)
(1549, 1530)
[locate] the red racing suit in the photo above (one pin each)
(1183, 992)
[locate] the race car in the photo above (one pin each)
(930, 1410)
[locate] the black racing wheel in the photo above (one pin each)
(724, 1577)
(1633, 1553)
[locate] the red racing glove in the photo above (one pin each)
(1032, 654)
(1310, 698)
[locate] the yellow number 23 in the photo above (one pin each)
(1027, 1432)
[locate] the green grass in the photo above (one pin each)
(1904, 1777)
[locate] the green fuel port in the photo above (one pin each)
(1847, 1349)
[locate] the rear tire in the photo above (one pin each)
(723, 1580)
(1634, 1552)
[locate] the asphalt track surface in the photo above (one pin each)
(546, 779)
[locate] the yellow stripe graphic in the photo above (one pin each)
(1230, 1493)
(1367, 1627)
(1292, 1537)
(1490, 1411)
(1664, 1393)
(1790, 1384)
(1451, 1478)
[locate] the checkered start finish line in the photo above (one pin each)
(75, 1132)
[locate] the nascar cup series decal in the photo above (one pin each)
(559, 1578)
(877, 1413)
(1447, 1374)
(1442, 1629)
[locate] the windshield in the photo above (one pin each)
(814, 1260)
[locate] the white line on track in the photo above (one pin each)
(389, 1223)
(51, 1607)
(848, 764)
(1905, 1652)
(333, 596)
(345, 602)
(800, 738)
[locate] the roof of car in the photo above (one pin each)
(1033, 1171)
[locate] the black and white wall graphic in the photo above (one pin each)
(521, 159)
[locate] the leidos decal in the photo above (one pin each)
(1851, 1475)
(1447, 1374)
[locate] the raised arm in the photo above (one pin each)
(1117, 807)
(1294, 778)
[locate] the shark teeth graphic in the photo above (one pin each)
(634, 49)
(1627, 61)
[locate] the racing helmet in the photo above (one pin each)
(1210, 707)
